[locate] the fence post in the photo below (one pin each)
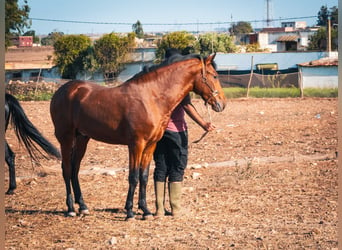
(250, 78)
(300, 82)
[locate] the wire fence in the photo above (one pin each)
(280, 80)
(38, 85)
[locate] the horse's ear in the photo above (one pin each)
(210, 58)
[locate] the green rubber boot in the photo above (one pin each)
(159, 189)
(175, 192)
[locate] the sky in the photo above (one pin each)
(105, 16)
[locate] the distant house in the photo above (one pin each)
(294, 24)
(139, 58)
(25, 41)
(322, 73)
(291, 36)
(36, 63)
(29, 63)
(284, 39)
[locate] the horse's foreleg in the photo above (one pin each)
(143, 178)
(67, 181)
(78, 194)
(10, 157)
(133, 181)
(69, 200)
(78, 153)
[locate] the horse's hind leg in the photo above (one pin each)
(10, 157)
(77, 155)
(66, 149)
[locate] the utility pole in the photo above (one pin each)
(329, 35)
(269, 16)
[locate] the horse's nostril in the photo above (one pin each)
(219, 107)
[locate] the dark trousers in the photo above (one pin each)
(171, 157)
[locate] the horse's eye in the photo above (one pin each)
(215, 77)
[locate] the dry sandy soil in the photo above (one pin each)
(265, 179)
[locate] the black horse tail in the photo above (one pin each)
(26, 132)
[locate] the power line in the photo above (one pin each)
(162, 24)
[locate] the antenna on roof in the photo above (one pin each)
(269, 13)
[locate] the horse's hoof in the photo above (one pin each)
(84, 212)
(71, 214)
(130, 219)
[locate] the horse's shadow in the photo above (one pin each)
(110, 210)
(33, 212)
(120, 214)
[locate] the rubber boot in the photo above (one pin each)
(159, 189)
(175, 192)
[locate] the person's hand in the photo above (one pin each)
(209, 126)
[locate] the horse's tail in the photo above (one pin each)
(27, 133)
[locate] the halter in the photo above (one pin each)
(214, 92)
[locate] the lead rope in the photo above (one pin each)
(206, 104)
(206, 132)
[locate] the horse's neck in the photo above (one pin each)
(175, 86)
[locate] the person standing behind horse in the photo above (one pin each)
(171, 153)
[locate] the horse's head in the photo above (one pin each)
(208, 85)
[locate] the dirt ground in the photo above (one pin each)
(265, 179)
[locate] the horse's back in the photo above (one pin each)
(70, 91)
(72, 88)
(62, 101)
(87, 108)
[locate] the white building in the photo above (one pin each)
(322, 73)
(284, 39)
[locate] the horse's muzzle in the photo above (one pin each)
(218, 106)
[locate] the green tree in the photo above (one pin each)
(322, 16)
(324, 13)
(241, 28)
(214, 42)
(254, 47)
(318, 41)
(111, 52)
(16, 19)
(138, 29)
(70, 51)
(334, 15)
(181, 40)
(51, 38)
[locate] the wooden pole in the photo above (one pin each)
(2, 123)
(300, 81)
(250, 78)
(329, 36)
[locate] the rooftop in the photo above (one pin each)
(29, 58)
(323, 62)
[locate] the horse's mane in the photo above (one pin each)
(168, 61)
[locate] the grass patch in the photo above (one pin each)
(315, 92)
(279, 92)
(34, 97)
(46, 95)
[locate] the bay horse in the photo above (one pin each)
(134, 113)
(27, 134)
